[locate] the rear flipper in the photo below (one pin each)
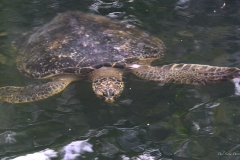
(186, 73)
(13, 94)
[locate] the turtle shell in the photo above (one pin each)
(78, 43)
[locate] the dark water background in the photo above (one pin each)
(149, 121)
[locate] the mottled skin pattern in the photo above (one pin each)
(107, 82)
(31, 93)
(187, 73)
(76, 46)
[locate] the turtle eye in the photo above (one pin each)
(104, 94)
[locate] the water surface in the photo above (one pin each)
(150, 120)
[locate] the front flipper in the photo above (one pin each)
(186, 73)
(13, 94)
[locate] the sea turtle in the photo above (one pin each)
(76, 46)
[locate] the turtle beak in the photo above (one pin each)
(109, 100)
(109, 96)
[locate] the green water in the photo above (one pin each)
(149, 121)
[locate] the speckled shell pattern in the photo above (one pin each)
(78, 43)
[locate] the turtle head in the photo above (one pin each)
(108, 88)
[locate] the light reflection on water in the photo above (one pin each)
(69, 152)
(149, 121)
